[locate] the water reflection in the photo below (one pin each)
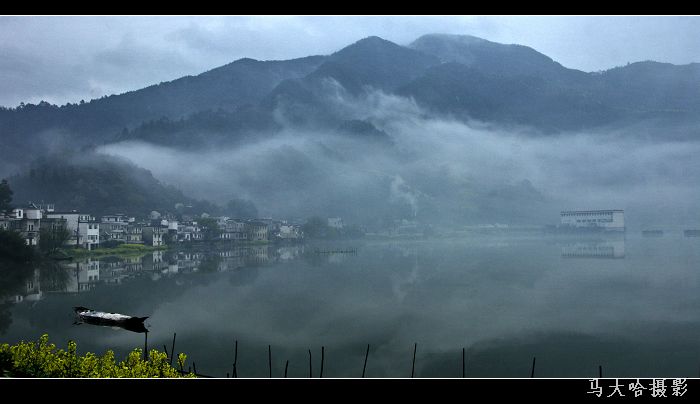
(504, 299)
(83, 275)
(594, 249)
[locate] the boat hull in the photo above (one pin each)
(93, 317)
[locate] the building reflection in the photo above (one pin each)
(594, 249)
(86, 274)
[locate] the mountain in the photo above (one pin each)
(457, 75)
(515, 83)
(243, 82)
(468, 93)
(651, 86)
(375, 62)
(371, 63)
(360, 133)
(99, 185)
(206, 128)
(46, 128)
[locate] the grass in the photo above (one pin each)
(123, 249)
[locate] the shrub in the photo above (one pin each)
(13, 247)
(41, 359)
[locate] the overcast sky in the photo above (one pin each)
(66, 59)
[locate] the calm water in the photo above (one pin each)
(629, 304)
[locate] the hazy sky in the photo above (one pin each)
(66, 59)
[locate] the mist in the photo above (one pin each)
(436, 169)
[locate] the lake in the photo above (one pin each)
(627, 303)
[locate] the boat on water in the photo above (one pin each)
(101, 318)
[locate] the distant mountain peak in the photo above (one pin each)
(373, 40)
(371, 44)
(490, 57)
(451, 37)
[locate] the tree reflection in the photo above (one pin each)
(53, 276)
(13, 281)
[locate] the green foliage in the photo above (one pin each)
(315, 227)
(52, 238)
(210, 228)
(5, 196)
(241, 208)
(42, 359)
(100, 185)
(13, 247)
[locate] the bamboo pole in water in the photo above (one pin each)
(532, 373)
(310, 369)
(413, 366)
(235, 361)
(463, 364)
(322, 356)
(172, 349)
(269, 359)
(365, 366)
(286, 365)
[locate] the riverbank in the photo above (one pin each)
(137, 249)
(124, 249)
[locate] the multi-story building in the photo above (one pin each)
(290, 232)
(607, 220)
(83, 228)
(335, 222)
(189, 231)
(27, 221)
(257, 231)
(134, 233)
(114, 227)
(153, 235)
(232, 229)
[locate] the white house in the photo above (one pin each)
(27, 221)
(114, 227)
(609, 220)
(84, 230)
(153, 235)
(335, 222)
(290, 232)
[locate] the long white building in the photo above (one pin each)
(610, 220)
(84, 230)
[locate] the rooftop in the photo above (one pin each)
(592, 211)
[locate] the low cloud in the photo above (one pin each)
(438, 170)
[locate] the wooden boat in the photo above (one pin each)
(89, 316)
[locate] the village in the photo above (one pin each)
(84, 230)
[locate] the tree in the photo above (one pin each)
(210, 228)
(5, 196)
(315, 227)
(13, 247)
(52, 238)
(241, 208)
